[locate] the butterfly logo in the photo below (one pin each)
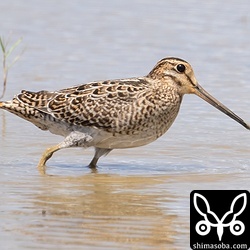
(203, 227)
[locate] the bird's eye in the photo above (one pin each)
(180, 68)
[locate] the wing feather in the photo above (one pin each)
(98, 104)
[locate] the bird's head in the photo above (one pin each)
(180, 74)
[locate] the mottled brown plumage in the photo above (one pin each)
(112, 114)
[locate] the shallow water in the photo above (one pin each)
(138, 198)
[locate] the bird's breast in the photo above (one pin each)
(135, 129)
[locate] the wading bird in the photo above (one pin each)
(112, 114)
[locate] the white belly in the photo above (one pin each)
(109, 140)
(123, 141)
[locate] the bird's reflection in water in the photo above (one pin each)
(100, 209)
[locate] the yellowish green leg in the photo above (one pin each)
(46, 156)
(98, 153)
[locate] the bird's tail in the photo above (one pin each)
(3, 105)
(26, 112)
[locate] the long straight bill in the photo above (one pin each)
(202, 93)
